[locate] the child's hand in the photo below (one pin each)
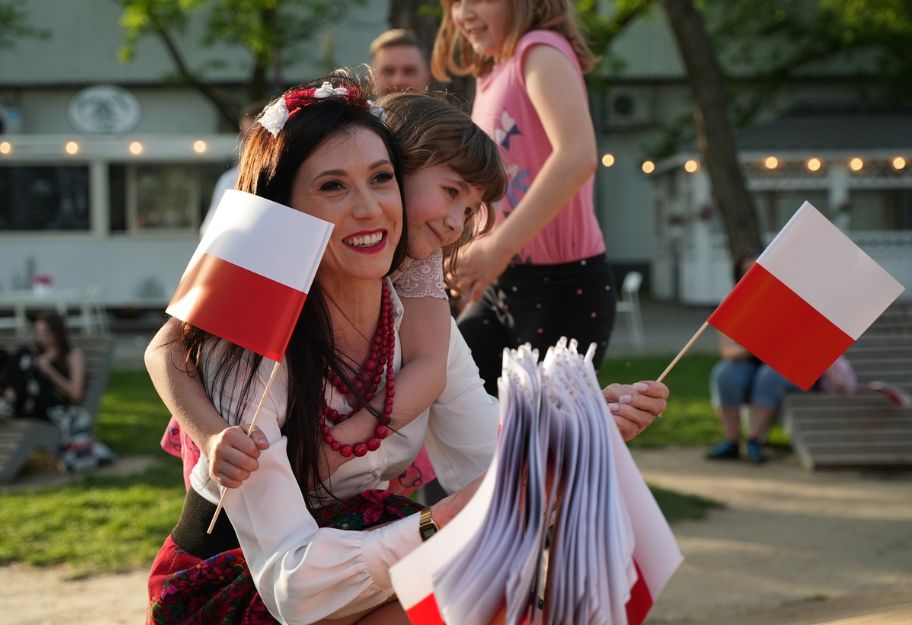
(233, 455)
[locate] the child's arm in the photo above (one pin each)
(560, 101)
(232, 453)
(425, 336)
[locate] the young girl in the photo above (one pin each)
(452, 176)
(541, 273)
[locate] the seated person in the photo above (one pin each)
(741, 378)
(50, 374)
(47, 382)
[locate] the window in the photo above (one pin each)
(889, 209)
(160, 196)
(44, 197)
(775, 208)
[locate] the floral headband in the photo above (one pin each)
(276, 114)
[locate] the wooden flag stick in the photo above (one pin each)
(256, 415)
(683, 351)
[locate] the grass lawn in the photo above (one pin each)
(106, 524)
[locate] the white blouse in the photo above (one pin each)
(305, 573)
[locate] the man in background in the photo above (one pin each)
(398, 63)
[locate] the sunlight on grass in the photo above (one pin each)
(132, 418)
(99, 524)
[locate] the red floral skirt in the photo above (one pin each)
(187, 590)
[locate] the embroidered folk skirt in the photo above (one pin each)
(202, 588)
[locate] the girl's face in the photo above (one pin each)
(438, 201)
(349, 181)
(484, 24)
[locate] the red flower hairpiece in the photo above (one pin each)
(274, 116)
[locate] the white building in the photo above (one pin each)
(107, 186)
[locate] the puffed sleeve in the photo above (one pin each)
(305, 573)
(462, 427)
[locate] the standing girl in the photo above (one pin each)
(542, 272)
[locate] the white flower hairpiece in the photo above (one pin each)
(326, 90)
(376, 110)
(274, 117)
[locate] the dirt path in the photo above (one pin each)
(791, 548)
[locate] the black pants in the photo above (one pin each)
(538, 304)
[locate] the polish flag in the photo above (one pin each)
(249, 277)
(655, 553)
(809, 296)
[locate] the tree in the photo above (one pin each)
(271, 31)
(14, 25)
(713, 127)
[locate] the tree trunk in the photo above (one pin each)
(715, 136)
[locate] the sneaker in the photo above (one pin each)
(726, 450)
(755, 451)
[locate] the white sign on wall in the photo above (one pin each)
(103, 109)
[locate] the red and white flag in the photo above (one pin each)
(250, 274)
(809, 296)
(655, 552)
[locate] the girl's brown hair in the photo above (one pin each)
(453, 56)
(430, 131)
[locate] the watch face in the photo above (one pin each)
(427, 531)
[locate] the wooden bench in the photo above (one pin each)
(20, 437)
(865, 429)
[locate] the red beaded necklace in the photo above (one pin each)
(366, 382)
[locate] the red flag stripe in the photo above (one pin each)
(779, 327)
(239, 305)
(640, 602)
(425, 612)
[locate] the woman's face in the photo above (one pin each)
(438, 201)
(350, 182)
(44, 338)
(484, 24)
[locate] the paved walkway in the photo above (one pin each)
(791, 547)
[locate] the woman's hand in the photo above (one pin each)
(636, 406)
(480, 264)
(233, 455)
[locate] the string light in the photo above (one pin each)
(71, 147)
(691, 166)
(856, 164)
(136, 148)
(5, 147)
(648, 167)
(199, 146)
(771, 162)
(814, 164)
(899, 162)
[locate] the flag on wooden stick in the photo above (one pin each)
(809, 296)
(250, 274)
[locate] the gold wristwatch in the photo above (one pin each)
(427, 526)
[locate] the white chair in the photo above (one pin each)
(629, 304)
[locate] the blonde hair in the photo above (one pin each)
(430, 131)
(453, 56)
(394, 37)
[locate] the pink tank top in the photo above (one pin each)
(504, 110)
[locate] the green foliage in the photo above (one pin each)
(602, 29)
(14, 25)
(766, 42)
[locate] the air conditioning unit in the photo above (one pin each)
(10, 120)
(626, 108)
